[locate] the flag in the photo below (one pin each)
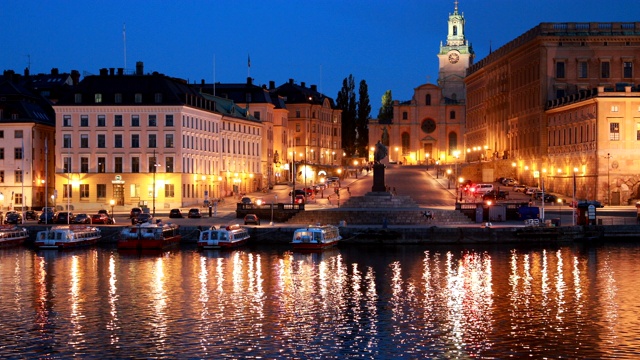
(248, 60)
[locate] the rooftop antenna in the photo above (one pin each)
(124, 41)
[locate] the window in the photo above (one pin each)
(605, 68)
(66, 191)
(118, 98)
(297, 113)
(168, 164)
(98, 98)
(1, 176)
(256, 114)
(101, 191)
(638, 131)
(152, 140)
(169, 190)
(627, 69)
(153, 120)
(117, 141)
(560, 70)
(18, 176)
(560, 93)
(18, 199)
(84, 165)
(102, 121)
(77, 98)
(18, 134)
(168, 120)
(135, 164)
(157, 98)
(152, 164)
(84, 120)
(614, 108)
(66, 120)
(66, 141)
(614, 131)
(66, 165)
(17, 153)
(405, 115)
(452, 115)
(168, 140)
(102, 164)
(138, 98)
(427, 99)
(453, 142)
(135, 120)
(297, 127)
(583, 70)
(84, 191)
(1, 153)
(117, 163)
(135, 140)
(117, 121)
(84, 141)
(1, 134)
(102, 141)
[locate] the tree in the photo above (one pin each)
(362, 121)
(346, 101)
(385, 115)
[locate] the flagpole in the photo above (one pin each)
(23, 197)
(46, 178)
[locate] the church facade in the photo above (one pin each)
(430, 127)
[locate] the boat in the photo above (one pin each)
(316, 237)
(223, 238)
(67, 236)
(11, 235)
(147, 236)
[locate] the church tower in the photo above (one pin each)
(455, 57)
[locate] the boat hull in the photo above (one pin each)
(149, 244)
(313, 246)
(60, 245)
(12, 242)
(221, 245)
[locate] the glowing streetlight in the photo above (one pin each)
(112, 203)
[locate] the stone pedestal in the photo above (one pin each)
(378, 179)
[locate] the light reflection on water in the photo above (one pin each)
(411, 302)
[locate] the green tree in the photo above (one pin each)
(362, 121)
(385, 115)
(346, 101)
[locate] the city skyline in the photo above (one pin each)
(394, 45)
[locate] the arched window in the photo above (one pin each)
(452, 114)
(453, 142)
(455, 30)
(406, 141)
(427, 99)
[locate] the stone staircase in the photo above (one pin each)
(375, 208)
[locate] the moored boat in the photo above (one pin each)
(315, 237)
(223, 238)
(149, 236)
(67, 236)
(11, 235)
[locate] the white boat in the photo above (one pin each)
(67, 236)
(149, 236)
(11, 235)
(316, 237)
(223, 238)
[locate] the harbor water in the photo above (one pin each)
(365, 302)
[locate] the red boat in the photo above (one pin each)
(12, 235)
(149, 236)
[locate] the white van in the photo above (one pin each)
(482, 189)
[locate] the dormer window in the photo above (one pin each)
(98, 98)
(158, 98)
(138, 98)
(78, 98)
(118, 98)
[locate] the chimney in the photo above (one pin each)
(75, 76)
(314, 88)
(249, 82)
(272, 85)
(290, 81)
(54, 71)
(104, 72)
(201, 81)
(26, 72)
(302, 84)
(120, 71)
(9, 75)
(139, 68)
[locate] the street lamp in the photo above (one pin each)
(608, 180)
(437, 168)
(448, 178)
(155, 170)
(574, 204)
(427, 158)
(459, 187)
(112, 203)
(355, 165)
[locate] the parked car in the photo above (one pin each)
(103, 211)
(175, 213)
(31, 215)
(496, 195)
(100, 218)
(299, 199)
(509, 182)
(251, 219)
(135, 212)
(47, 217)
(82, 219)
(482, 189)
(143, 218)
(519, 188)
(297, 192)
(530, 190)
(13, 217)
(64, 217)
(194, 213)
(549, 198)
(246, 200)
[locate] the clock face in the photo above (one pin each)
(428, 126)
(454, 57)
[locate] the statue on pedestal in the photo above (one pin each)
(380, 153)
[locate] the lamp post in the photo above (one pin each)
(459, 188)
(608, 181)
(437, 168)
(574, 204)
(155, 170)
(355, 165)
(112, 203)
(448, 178)
(427, 159)
(293, 177)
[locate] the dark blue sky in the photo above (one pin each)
(390, 44)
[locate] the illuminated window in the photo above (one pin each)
(614, 131)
